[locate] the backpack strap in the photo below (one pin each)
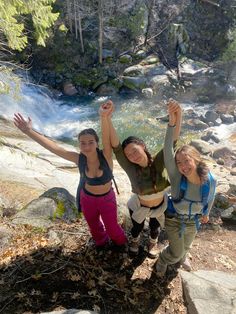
(82, 165)
(182, 189)
(206, 197)
(108, 167)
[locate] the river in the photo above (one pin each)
(64, 117)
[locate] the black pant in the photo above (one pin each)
(137, 228)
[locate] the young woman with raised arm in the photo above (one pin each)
(192, 196)
(95, 194)
(148, 179)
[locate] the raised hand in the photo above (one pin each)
(174, 109)
(21, 123)
(106, 109)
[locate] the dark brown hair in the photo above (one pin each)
(202, 168)
(139, 141)
(89, 131)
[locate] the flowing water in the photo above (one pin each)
(64, 117)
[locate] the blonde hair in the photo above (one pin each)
(202, 168)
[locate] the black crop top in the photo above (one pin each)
(107, 172)
(103, 179)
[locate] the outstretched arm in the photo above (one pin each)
(108, 108)
(170, 137)
(107, 148)
(115, 141)
(175, 117)
(26, 127)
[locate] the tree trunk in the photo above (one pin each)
(75, 20)
(150, 6)
(100, 36)
(68, 8)
(80, 31)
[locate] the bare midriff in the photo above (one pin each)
(151, 203)
(98, 189)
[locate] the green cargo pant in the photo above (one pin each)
(178, 246)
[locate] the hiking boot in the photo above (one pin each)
(123, 248)
(153, 248)
(160, 269)
(185, 263)
(134, 245)
(103, 248)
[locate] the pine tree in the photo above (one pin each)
(16, 14)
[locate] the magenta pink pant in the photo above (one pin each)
(100, 213)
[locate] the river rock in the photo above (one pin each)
(229, 214)
(135, 83)
(69, 89)
(159, 82)
(140, 54)
(152, 59)
(136, 70)
(197, 124)
(155, 70)
(218, 122)
(147, 93)
(203, 147)
(106, 89)
(125, 59)
(211, 292)
(224, 153)
(211, 116)
(226, 106)
(54, 203)
(210, 136)
(221, 201)
(227, 118)
(220, 161)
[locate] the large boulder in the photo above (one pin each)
(209, 292)
(56, 203)
(135, 83)
(203, 147)
(229, 215)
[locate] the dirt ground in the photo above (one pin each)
(43, 271)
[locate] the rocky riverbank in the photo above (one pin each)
(28, 170)
(40, 236)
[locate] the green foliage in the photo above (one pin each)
(134, 22)
(14, 15)
(63, 28)
(9, 82)
(82, 80)
(230, 52)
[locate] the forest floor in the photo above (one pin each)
(60, 269)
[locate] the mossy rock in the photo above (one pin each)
(66, 205)
(125, 59)
(99, 82)
(150, 60)
(117, 83)
(82, 80)
(134, 83)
